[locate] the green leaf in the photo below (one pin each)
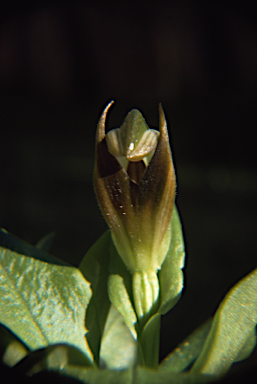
(45, 242)
(43, 303)
(120, 290)
(171, 275)
(15, 244)
(103, 376)
(149, 341)
(140, 375)
(11, 348)
(118, 346)
(248, 347)
(186, 352)
(232, 326)
(95, 268)
(54, 357)
(150, 376)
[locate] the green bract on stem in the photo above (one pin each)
(135, 185)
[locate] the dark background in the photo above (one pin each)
(61, 62)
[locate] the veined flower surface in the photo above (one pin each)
(134, 181)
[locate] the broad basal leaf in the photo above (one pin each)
(248, 347)
(139, 375)
(186, 352)
(43, 303)
(149, 376)
(95, 268)
(45, 243)
(52, 358)
(11, 348)
(233, 325)
(14, 243)
(100, 376)
(118, 346)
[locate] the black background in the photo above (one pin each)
(61, 62)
